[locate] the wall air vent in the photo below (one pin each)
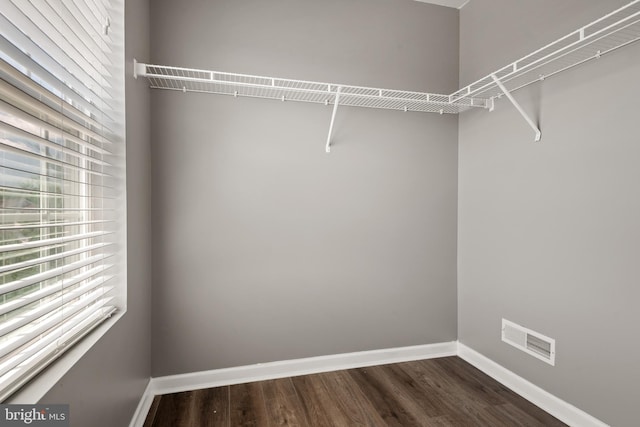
(531, 342)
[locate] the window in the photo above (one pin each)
(61, 178)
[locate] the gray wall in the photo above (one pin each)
(105, 386)
(549, 235)
(265, 247)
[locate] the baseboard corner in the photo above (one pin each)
(562, 410)
(140, 414)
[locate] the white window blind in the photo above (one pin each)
(61, 178)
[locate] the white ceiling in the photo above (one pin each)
(457, 4)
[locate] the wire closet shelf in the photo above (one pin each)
(195, 80)
(609, 33)
(604, 35)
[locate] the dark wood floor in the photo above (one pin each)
(436, 392)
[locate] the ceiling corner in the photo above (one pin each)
(455, 4)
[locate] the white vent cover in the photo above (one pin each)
(531, 342)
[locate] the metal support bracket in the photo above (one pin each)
(518, 107)
(139, 69)
(333, 118)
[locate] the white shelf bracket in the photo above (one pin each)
(333, 118)
(518, 107)
(139, 69)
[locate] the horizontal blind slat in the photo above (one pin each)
(27, 218)
(68, 108)
(34, 139)
(23, 192)
(55, 224)
(26, 25)
(93, 32)
(88, 36)
(29, 118)
(51, 35)
(53, 288)
(53, 29)
(40, 260)
(90, 14)
(98, 9)
(66, 84)
(23, 43)
(67, 31)
(19, 98)
(6, 146)
(57, 177)
(41, 310)
(17, 370)
(54, 241)
(18, 341)
(48, 274)
(26, 210)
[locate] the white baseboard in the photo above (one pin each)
(284, 369)
(557, 407)
(306, 366)
(140, 415)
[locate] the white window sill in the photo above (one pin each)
(35, 390)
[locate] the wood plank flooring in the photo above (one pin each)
(436, 392)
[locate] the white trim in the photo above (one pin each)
(557, 407)
(296, 367)
(455, 4)
(284, 369)
(41, 384)
(140, 415)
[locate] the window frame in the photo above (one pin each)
(51, 373)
